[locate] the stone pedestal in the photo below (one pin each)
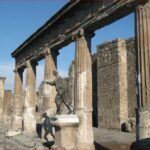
(66, 131)
(143, 123)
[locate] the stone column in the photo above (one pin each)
(17, 100)
(2, 81)
(49, 92)
(83, 91)
(30, 100)
(143, 69)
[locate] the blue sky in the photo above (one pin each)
(20, 18)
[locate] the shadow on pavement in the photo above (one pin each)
(143, 144)
(48, 144)
(99, 147)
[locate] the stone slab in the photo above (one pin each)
(12, 133)
(64, 120)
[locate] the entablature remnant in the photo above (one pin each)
(59, 30)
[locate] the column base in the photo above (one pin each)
(66, 131)
(17, 123)
(143, 123)
(85, 139)
(29, 122)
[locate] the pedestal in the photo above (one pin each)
(66, 131)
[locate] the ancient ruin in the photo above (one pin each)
(76, 22)
(116, 72)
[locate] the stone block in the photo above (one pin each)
(13, 133)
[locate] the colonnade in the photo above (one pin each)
(83, 91)
(83, 83)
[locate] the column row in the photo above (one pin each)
(24, 107)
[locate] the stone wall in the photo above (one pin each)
(7, 107)
(131, 66)
(94, 89)
(2, 82)
(115, 83)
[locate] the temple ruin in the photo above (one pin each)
(76, 22)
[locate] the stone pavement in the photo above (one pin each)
(104, 140)
(22, 142)
(112, 139)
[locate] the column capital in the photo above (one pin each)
(143, 4)
(29, 63)
(16, 70)
(83, 33)
(47, 50)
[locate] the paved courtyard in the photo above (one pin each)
(104, 140)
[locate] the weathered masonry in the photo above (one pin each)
(77, 21)
(116, 83)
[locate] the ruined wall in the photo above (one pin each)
(115, 82)
(7, 107)
(131, 66)
(108, 85)
(94, 89)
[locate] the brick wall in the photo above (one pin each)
(116, 89)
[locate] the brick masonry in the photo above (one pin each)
(116, 86)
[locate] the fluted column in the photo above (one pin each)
(30, 100)
(143, 69)
(83, 91)
(49, 92)
(17, 100)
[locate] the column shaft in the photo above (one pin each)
(83, 91)
(49, 92)
(143, 69)
(30, 99)
(17, 101)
